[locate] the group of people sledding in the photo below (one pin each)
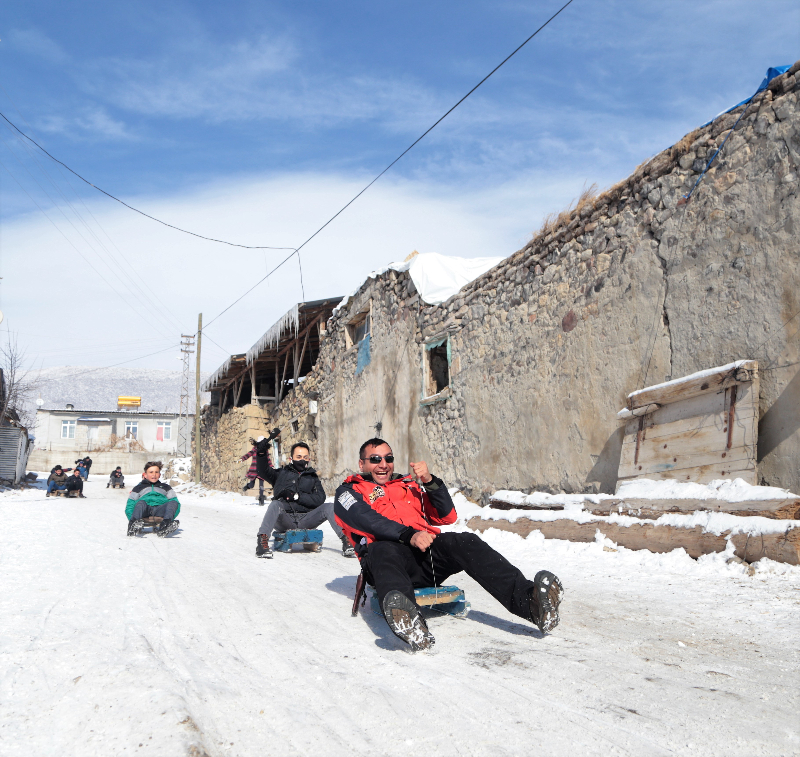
(390, 522)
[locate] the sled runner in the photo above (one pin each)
(117, 486)
(64, 493)
(309, 538)
(446, 600)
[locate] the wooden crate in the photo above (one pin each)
(695, 429)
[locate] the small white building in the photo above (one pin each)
(71, 430)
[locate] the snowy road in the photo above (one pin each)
(192, 646)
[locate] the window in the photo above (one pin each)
(131, 429)
(436, 367)
(164, 431)
(295, 427)
(358, 334)
(67, 429)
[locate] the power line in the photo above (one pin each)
(130, 207)
(401, 155)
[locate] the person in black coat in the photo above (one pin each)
(298, 501)
(75, 483)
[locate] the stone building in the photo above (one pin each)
(515, 381)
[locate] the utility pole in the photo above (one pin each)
(196, 461)
(184, 430)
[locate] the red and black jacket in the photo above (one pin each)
(393, 511)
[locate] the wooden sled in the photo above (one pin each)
(64, 493)
(309, 538)
(154, 521)
(444, 600)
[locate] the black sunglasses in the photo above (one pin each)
(375, 459)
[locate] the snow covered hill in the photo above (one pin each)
(98, 388)
(191, 646)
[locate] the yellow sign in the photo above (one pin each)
(129, 401)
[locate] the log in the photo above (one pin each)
(787, 508)
(783, 547)
(690, 386)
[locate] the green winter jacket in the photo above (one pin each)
(154, 495)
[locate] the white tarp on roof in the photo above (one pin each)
(436, 277)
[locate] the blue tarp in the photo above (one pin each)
(362, 360)
(771, 74)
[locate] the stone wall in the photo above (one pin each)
(625, 290)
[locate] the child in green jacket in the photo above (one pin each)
(152, 497)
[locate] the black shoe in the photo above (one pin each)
(406, 623)
(544, 597)
(167, 527)
(262, 546)
(347, 548)
(134, 527)
(47, 494)
(107, 485)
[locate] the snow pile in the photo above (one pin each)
(436, 277)
(737, 490)
(552, 501)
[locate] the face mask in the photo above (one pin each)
(300, 465)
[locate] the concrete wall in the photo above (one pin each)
(48, 431)
(627, 290)
(103, 463)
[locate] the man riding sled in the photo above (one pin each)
(392, 522)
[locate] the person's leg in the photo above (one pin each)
(50, 486)
(454, 552)
(393, 567)
(324, 512)
(141, 510)
(165, 511)
(271, 517)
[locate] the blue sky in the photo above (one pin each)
(256, 121)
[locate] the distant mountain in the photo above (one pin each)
(98, 388)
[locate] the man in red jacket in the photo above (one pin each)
(391, 521)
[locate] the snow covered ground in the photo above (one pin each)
(192, 646)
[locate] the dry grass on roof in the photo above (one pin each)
(553, 221)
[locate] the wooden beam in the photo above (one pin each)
(253, 390)
(283, 379)
(784, 547)
(238, 391)
(672, 391)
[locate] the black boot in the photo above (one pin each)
(167, 527)
(262, 546)
(134, 526)
(347, 548)
(544, 597)
(406, 622)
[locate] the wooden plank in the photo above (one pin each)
(704, 474)
(777, 509)
(779, 547)
(661, 457)
(696, 413)
(674, 391)
(695, 434)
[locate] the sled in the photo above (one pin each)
(309, 538)
(154, 521)
(445, 600)
(117, 486)
(64, 493)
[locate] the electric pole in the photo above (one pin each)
(196, 462)
(184, 429)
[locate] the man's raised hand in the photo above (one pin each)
(421, 472)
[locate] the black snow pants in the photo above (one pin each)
(392, 565)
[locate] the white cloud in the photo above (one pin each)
(35, 42)
(93, 123)
(189, 275)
